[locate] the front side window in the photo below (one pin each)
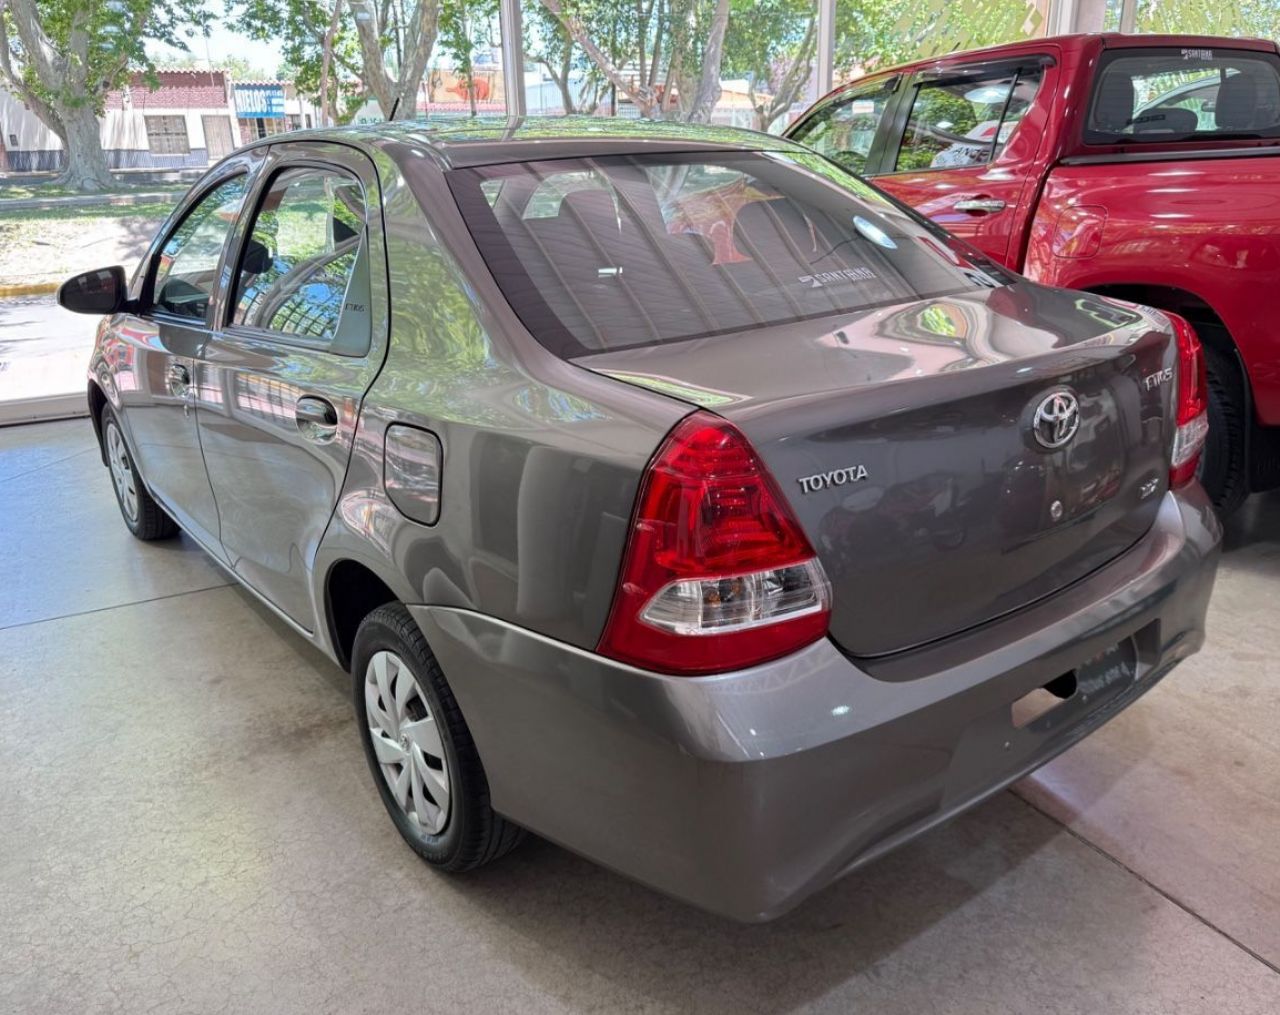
(304, 272)
(661, 248)
(956, 124)
(1191, 94)
(844, 130)
(187, 266)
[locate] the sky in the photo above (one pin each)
(221, 44)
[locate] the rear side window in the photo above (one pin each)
(956, 124)
(614, 251)
(304, 272)
(1163, 95)
(844, 129)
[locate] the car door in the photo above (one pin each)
(302, 335)
(963, 149)
(152, 352)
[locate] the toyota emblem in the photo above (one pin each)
(1056, 420)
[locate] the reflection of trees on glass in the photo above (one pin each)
(186, 271)
(305, 269)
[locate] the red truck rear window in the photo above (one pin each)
(1189, 94)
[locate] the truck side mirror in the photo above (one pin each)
(101, 291)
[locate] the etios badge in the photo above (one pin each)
(1056, 420)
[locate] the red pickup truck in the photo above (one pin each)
(1145, 168)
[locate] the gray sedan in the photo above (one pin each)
(667, 491)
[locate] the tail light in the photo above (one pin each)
(717, 574)
(1193, 404)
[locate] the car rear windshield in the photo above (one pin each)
(624, 250)
(1193, 94)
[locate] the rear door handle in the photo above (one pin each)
(317, 419)
(980, 205)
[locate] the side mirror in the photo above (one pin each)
(102, 291)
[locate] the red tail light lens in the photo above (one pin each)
(717, 574)
(1193, 404)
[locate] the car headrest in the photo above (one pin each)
(1169, 120)
(773, 227)
(1113, 107)
(1237, 104)
(593, 209)
(1249, 100)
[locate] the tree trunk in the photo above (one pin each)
(562, 81)
(86, 167)
(708, 93)
(328, 109)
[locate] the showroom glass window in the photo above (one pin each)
(304, 272)
(613, 251)
(844, 130)
(187, 267)
(1192, 94)
(957, 124)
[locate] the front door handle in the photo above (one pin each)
(317, 419)
(980, 205)
(178, 379)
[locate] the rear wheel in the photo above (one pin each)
(1224, 467)
(145, 518)
(419, 749)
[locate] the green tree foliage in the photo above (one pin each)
(662, 55)
(879, 33)
(466, 27)
(62, 57)
(385, 45)
(771, 43)
(1252, 18)
(237, 67)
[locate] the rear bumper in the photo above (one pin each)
(745, 792)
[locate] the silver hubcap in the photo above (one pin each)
(122, 472)
(406, 742)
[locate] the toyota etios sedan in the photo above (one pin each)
(667, 491)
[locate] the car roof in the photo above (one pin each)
(486, 140)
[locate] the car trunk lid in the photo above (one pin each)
(905, 439)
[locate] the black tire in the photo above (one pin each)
(473, 834)
(1224, 465)
(147, 520)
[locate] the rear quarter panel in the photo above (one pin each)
(541, 459)
(1205, 226)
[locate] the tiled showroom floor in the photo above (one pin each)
(187, 825)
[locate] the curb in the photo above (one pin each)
(29, 289)
(87, 200)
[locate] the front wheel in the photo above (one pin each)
(144, 517)
(419, 749)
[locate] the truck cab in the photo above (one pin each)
(1137, 167)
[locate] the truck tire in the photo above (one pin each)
(1224, 466)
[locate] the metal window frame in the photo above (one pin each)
(167, 135)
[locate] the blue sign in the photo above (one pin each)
(260, 102)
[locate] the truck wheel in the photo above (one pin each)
(1224, 470)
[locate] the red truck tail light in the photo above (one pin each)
(1193, 404)
(717, 574)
